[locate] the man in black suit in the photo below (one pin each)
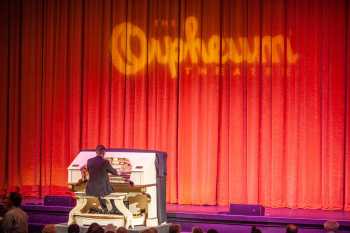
(98, 184)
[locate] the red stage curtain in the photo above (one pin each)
(251, 99)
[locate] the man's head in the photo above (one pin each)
(331, 226)
(291, 228)
(197, 230)
(110, 228)
(255, 230)
(174, 228)
(13, 199)
(150, 230)
(100, 150)
(73, 228)
(49, 228)
(95, 228)
(122, 230)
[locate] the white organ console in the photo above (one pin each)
(139, 189)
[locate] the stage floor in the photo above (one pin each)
(269, 212)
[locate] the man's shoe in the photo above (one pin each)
(103, 211)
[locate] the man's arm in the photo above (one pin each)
(110, 169)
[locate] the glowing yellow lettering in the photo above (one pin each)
(192, 46)
(132, 51)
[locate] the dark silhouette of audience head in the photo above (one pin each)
(331, 226)
(110, 228)
(49, 228)
(122, 230)
(73, 228)
(197, 230)
(174, 228)
(13, 199)
(95, 228)
(255, 230)
(150, 230)
(212, 231)
(291, 228)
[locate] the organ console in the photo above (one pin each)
(139, 189)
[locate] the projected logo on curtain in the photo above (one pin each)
(131, 51)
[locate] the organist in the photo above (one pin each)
(98, 184)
